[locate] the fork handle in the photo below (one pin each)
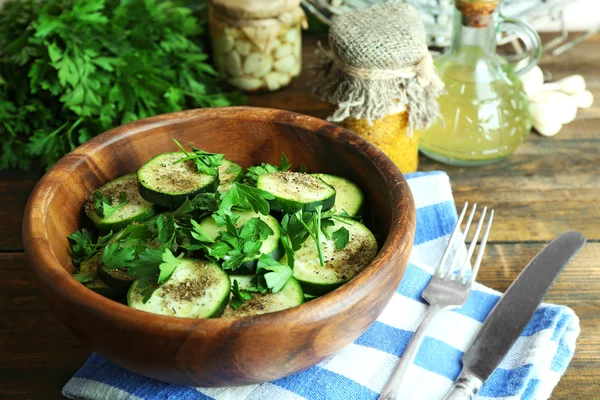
(396, 380)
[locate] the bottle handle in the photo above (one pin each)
(529, 36)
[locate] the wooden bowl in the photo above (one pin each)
(219, 352)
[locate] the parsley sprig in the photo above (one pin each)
(71, 69)
(105, 206)
(84, 244)
(252, 173)
(206, 162)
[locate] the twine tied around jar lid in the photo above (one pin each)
(378, 61)
(260, 20)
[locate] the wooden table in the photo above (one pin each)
(549, 186)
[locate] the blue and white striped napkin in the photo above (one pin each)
(531, 370)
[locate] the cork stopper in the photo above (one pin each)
(477, 13)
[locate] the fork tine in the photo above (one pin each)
(438, 270)
(475, 268)
(467, 258)
(464, 238)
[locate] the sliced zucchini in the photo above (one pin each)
(348, 196)
(197, 289)
(136, 209)
(294, 191)
(270, 246)
(167, 183)
(340, 265)
(290, 296)
(116, 279)
(97, 285)
(229, 172)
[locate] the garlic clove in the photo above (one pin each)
(243, 48)
(583, 99)
(285, 64)
(553, 105)
(274, 80)
(533, 79)
(233, 32)
(276, 43)
(248, 83)
(570, 85)
(291, 35)
(258, 64)
(234, 64)
(283, 50)
(224, 44)
(547, 128)
(285, 79)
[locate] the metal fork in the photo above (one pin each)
(447, 290)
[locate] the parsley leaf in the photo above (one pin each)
(341, 237)
(271, 274)
(83, 246)
(247, 198)
(84, 277)
(238, 296)
(206, 162)
(199, 233)
(104, 206)
(252, 173)
(166, 226)
(289, 252)
(294, 229)
(233, 259)
(285, 164)
(203, 201)
(152, 268)
(314, 231)
(219, 250)
(147, 264)
(168, 265)
(117, 256)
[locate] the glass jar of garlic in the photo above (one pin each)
(379, 75)
(257, 44)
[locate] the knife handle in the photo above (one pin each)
(466, 387)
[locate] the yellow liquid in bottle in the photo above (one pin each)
(485, 113)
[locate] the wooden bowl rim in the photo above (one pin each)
(48, 269)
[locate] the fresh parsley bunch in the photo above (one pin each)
(71, 69)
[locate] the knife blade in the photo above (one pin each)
(512, 313)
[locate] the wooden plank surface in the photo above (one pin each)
(549, 186)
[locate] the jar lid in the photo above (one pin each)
(254, 9)
(378, 61)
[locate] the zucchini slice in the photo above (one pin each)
(167, 183)
(294, 191)
(116, 279)
(197, 289)
(348, 196)
(97, 285)
(290, 296)
(270, 246)
(135, 210)
(229, 172)
(340, 265)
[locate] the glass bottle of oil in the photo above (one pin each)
(485, 110)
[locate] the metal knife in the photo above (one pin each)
(512, 313)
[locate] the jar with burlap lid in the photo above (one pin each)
(257, 43)
(380, 76)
